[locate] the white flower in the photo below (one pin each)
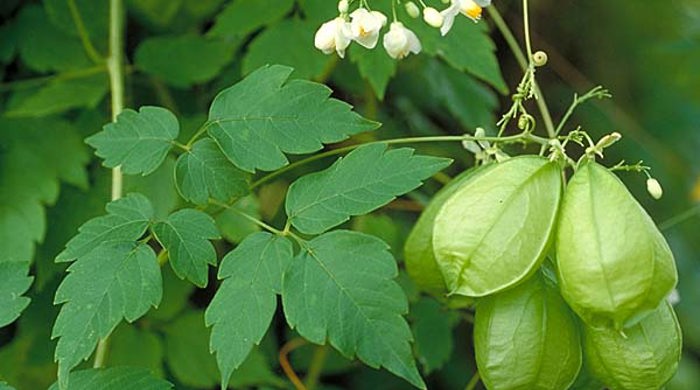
(334, 35)
(365, 26)
(400, 41)
(432, 17)
(469, 8)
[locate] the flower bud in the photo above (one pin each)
(654, 188)
(343, 6)
(608, 140)
(412, 9)
(433, 17)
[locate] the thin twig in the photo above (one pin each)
(288, 347)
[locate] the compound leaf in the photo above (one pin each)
(115, 378)
(340, 289)
(259, 119)
(126, 220)
(319, 201)
(203, 172)
(185, 234)
(245, 303)
(138, 141)
(115, 280)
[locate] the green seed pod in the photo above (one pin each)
(614, 264)
(496, 228)
(527, 338)
(418, 250)
(646, 356)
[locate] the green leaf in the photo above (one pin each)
(198, 59)
(510, 213)
(186, 351)
(159, 13)
(340, 290)
(287, 43)
(242, 17)
(127, 219)
(245, 303)
(43, 47)
(433, 330)
(32, 164)
(115, 378)
(36, 155)
(322, 200)
(94, 14)
(115, 280)
(13, 283)
(466, 99)
(203, 172)
(185, 234)
(138, 141)
(375, 66)
(59, 95)
(467, 47)
(259, 119)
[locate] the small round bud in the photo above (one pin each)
(412, 9)
(433, 17)
(343, 6)
(654, 188)
(539, 58)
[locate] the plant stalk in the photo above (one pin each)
(115, 67)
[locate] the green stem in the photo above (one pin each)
(316, 367)
(524, 64)
(473, 382)
(198, 134)
(82, 32)
(285, 233)
(38, 81)
(598, 92)
(115, 65)
(526, 21)
(522, 137)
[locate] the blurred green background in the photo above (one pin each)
(182, 52)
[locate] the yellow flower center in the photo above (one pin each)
(472, 10)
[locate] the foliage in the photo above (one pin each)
(267, 221)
